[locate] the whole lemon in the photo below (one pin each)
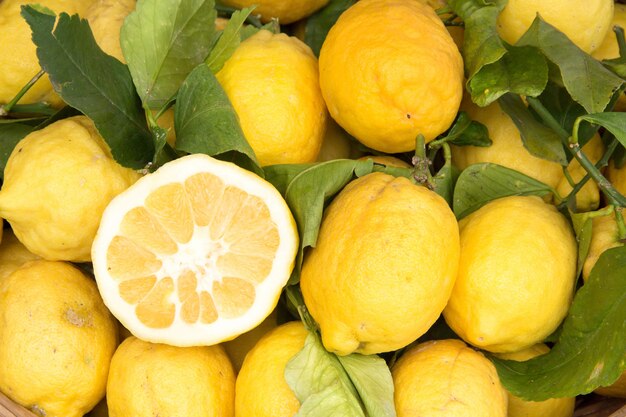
(272, 82)
(105, 19)
(149, 379)
(285, 11)
(383, 265)
(390, 71)
(18, 58)
(13, 254)
(585, 22)
(57, 182)
(445, 378)
(56, 339)
(554, 407)
(516, 274)
(261, 389)
(609, 49)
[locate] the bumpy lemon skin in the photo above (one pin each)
(383, 265)
(57, 182)
(285, 11)
(56, 340)
(149, 379)
(516, 274)
(446, 378)
(585, 22)
(18, 58)
(13, 254)
(390, 71)
(261, 389)
(554, 407)
(272, 82)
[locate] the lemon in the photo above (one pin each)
(390, 71)
(604, 236)
(585, 22)
(238, 348)
(149, 379)
(617, 176)
(445, 378)
(13, 254)
(106, 18)
(516, 274)
(272, 82)
(368, 300)
(609, 49)
(336, 143)
(457, 32)
(56, 339)
(195, 253)
(57, 182)
(285, 11)
(18, 58)
(261, 389)
(554, 407)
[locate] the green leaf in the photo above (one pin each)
(206, 122)
(320, 383)
(586, 79)
(10, 135)
(479, 184)
(93, 82)
(539, 140)
(163, 41)
(318, 24)
(371, 377)
(583, 223)
(228, 41)
(591, 351)
(466, 132)
(444, 181)
(614, 122)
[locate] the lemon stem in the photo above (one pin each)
(6, 108)
(571, 144)
(421, 164)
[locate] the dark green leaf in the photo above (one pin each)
(591, 351)
(466, 132)
(586, 79)
(228, 41)
(206, 122)
(540, 140)
(10, 135)
(613, 122)
(479, 184)
(163, 41)
(318, 24)
(93, 82)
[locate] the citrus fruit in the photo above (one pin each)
(554, 407)
(13, 254)
(457, 32)
(18, 58)
(390, 71)
(285, 11)
(238, 348)
(516, 274)
(57, 182)
(336, 143)
(617, 176)
(445, 378)
(272, 82)
(368, 300)
(56, 339)
(261, 389)
(195, 253)
(105, 19)
(149, 379)
(604, 236)
(585, 22)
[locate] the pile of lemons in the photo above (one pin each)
(196, 254)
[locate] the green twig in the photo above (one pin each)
(6, 108)
(421, 164)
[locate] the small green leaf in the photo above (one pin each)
(539, 140)
(585, 78)
(93, 82)
(466, 132)
(10, 135)
(591, 350)
(205, 121)
(318, 24)
(479, 184)
(614, 122)
(320, 383)
(163, 41)
(228, 41)
(371, 377)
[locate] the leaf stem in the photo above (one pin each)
(421, 164)
(6, 108)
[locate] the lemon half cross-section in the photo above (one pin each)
(195, 253)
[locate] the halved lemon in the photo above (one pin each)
(195, 253)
